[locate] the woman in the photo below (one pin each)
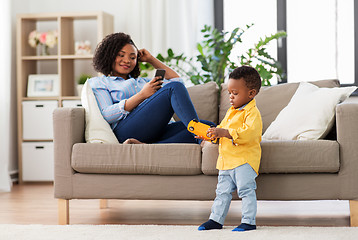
(139, 109)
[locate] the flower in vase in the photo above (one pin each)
(42, 38)
(34, 38)
(51, 39)
(45, 39)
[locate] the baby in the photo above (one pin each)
(239, 137)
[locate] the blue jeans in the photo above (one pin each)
(241, 179)
(149, 121)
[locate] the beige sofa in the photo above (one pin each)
(324, 169)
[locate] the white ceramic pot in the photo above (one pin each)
(79, 89)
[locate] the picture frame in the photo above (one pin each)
(43, 85)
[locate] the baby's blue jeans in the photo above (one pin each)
(242, 179)
(149, 121)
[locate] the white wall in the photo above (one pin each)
(16, 7)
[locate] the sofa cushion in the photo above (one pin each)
(271, 100)
(210, 153)
(98, 129)
(311, 156)
(159, 159)
(309, 115)
(205, 101)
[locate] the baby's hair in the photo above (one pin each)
(107, 50)
(249, 75)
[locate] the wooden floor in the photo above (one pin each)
(35, 204)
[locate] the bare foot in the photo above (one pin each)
(132, 141)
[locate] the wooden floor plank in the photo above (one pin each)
(34, 204)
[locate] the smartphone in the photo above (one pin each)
(160, 73)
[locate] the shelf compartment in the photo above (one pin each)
(71, 27)
(72, 69)
(41, 25)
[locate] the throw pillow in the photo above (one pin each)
(309, 115)
(98, 129)
(271, 99)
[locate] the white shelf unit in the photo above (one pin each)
(62, 60)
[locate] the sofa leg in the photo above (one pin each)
(353, 206)
(63, 211)
(103, 203)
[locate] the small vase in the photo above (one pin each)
(44, 50)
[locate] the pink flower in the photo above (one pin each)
(48, 39)
(43, 38)
(34, 38)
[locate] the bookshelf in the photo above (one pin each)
(35, 113)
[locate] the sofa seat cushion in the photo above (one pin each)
(292, 156)
(156, 159)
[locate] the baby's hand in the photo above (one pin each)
(212, 132)
(199, 137)
(218, 133)
(205, 139)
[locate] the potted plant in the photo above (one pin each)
(81, 81)
(213, 61)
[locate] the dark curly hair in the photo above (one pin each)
(250, 75)
(107, 50)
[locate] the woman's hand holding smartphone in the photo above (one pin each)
(154, 85)
(158, 78)
(160, 73)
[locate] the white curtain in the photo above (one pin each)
(158, 25)
(163, 24)
(5, 91)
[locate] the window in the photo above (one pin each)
(320, 42)
(262, 13)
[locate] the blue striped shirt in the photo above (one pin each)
(112, 92)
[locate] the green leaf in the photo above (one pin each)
(200, 48)
(160, 57)
(170, 52)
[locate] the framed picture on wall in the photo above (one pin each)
(43, 85)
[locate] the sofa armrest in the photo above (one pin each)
(69, 128)
(347, 137)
